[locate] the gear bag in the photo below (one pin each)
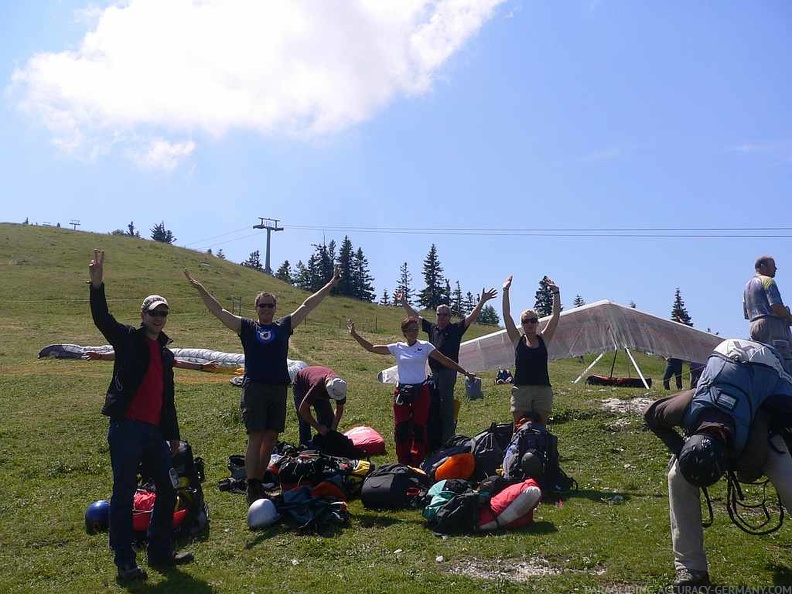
(394, 486)
(535, 438)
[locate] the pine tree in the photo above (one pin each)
(403, 285)
(544, 299)
(220, 254)
(632, 304)
(470, 303)
(363, 287)
(284, 272)
(301, 279)
(132, 231)
(488, 315)
(320, 266)
(432, 295)
(254, 261)
(678, 311)
(346, 253)
(578, 301)
(385, 299)
(457, 309)
(160, 233)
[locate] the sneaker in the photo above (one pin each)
(175, 559)
(131, 573)
(690, 580)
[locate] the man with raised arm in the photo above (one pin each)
(265, 342)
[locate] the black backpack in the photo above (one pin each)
(539, 441)
(459, 514)
(488, 448)
(394, 486)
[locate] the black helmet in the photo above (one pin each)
(702, 460)
(532, 464)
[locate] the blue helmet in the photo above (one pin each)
(702, 460)
(97, 517)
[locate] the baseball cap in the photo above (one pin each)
(152, 302)
(336, 388)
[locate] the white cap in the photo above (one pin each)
(152, 302)
(336, 388)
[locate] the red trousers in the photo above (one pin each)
(409, 433)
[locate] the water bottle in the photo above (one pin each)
(174, 478)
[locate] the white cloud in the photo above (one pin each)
(161, 154)
(183, 68)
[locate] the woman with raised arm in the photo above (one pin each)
(265, 342)
(411, 396)
(532, 395)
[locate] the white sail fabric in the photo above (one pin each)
(594, 328)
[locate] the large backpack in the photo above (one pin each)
(488, 448)
(538, 440)
(394, 486)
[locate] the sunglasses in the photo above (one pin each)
(267, 305)
(158, 313)
(530, 320)
(411, 329)
(443, 315)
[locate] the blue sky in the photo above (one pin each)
(622, 148)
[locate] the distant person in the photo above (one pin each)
(315, 387)
(763, 307)
(741, 378)
(695, 373)
(446, 336)
(673, 368)
(531, 393)
(411, 396)
(265, 342)
(179, 363)
(143, 425)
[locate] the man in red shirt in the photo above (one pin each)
(315, 386)
(143, 425)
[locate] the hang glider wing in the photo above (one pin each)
(594, 328)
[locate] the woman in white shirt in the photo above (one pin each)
(411, 396)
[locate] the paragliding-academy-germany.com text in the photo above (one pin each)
(628, 589)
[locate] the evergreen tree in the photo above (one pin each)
(132, 232)
(470, 303)
(161, 234)
(284, 272)
(320, 267)
(544, 299)
(403, 284)
(488, 315)
(385, 299)
(578, 301)
(346, 253)
(220, 254)
(362, 279)
(432, 295)
(301, 278)
(632, 304)
(254, 261)
(678, 311)
(209, 251)
(457, 309)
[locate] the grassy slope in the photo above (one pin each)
(53, 452)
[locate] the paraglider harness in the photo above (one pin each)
(735, 502)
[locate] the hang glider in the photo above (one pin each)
(598, 327)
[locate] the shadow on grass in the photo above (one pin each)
(369, 520)
(592, 495)
(782, 575)
(175, 581)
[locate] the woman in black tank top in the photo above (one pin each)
(530, 356)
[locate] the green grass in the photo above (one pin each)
(54, 460)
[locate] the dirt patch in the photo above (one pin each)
(634, 405)
(521, 571)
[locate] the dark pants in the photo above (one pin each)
(410, 428)
(324, 415)
(444, 380)
(133, 442)
(673, 367)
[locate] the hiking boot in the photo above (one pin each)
(174, 559)
(131, 573)
(689, 581)
(255, 490)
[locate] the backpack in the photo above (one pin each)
(488, 448)
(537, 439)
(337, 444)
(437, 458)
(394, 486)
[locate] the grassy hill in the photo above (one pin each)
(54, 459)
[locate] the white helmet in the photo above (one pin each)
(262, 513)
